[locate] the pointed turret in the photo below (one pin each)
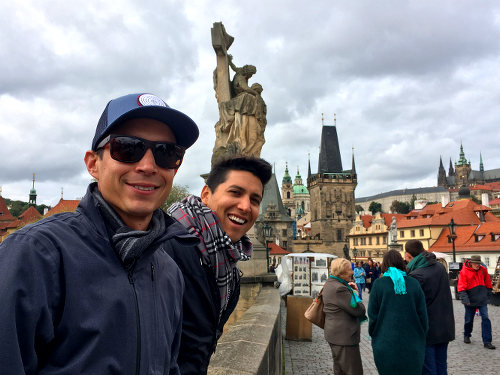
(286, 178)
(451, 171)
(441, 174)
(353, 165)
(309, 166)
(481, 166)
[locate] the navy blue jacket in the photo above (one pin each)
(201, 326)
(68, 306)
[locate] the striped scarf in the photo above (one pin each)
(216, 248)
(129, 244)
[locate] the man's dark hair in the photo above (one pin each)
(392, 259)
(414, 247)
(256, 166)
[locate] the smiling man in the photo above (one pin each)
(220, 218)
(93, 291)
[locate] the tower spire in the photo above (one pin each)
(481, 166)
(353, 168)
(32, 196)
(309, 165)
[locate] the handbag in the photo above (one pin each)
(314, 312)
(368, 280)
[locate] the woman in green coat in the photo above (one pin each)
(398, 319)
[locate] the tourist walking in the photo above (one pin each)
(372, 273)
(343, 313)
(359, 278)
(432, 276)
(474, 289)
(398, 319)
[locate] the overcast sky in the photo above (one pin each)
(408, 82)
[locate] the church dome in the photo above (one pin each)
(300, 189)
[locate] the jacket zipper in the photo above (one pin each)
(138, 322)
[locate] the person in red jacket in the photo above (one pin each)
(474, 288)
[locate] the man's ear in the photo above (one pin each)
(91, 161)
(205, 195)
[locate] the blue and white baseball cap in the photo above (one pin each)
(145, 106)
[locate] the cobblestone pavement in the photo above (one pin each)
(308, 358)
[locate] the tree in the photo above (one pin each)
(400, 207)
(375, 207)
(359, 208)
(177, 193)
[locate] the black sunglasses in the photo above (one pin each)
(129, 149)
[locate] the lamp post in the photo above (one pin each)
(268, 231)
(355, 253)
(453, 228)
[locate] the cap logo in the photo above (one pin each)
(148, 99)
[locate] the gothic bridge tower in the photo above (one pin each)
(332, 195)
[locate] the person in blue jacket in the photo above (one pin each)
(220, 217)
(94, 291)
(359, 278)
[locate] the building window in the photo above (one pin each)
(355, 242)
(283, 232)
(479, 237)
(384, 240)
(412, 233)
(363, 241)
(378, 240)
(284, 244)
(402, 233)
(288, 195)
(339, 234)
(487, 262)
(421, 232)
(369, 240)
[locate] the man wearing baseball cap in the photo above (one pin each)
(474, 288)
(93, 291)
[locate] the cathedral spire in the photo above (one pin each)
(481, 166)
(451, 172)
(286, 177)
(441, 174)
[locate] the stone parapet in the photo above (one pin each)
(253, 344)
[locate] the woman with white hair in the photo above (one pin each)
(344, 312)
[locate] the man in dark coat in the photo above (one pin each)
(434, 281)
(474, 288)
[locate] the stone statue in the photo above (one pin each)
(393, 232)
(242, 111)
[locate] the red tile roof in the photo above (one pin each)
(465, 240)
(5, 215)
(63, 206)
(388, 218)
(495, 201)
(481, 187)
(493, 185)
(463, 212)
(277, 250)
(367, 220)
(30, 215)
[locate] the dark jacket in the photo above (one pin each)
(201, 326)
(68, 306)
(342, 324)
(372, 273)
(435, 284)
(474, 287)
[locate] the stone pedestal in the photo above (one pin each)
(257, 265)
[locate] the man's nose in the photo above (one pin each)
(244, 204)
(147, 164)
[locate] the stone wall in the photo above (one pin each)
(253, 344)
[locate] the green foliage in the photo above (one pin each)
(375, 207)
(16, 208)
(412, 202)
(177, 193)
(400, 207)
(358, 208)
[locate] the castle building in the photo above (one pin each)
(331, 196)
(464, 175)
